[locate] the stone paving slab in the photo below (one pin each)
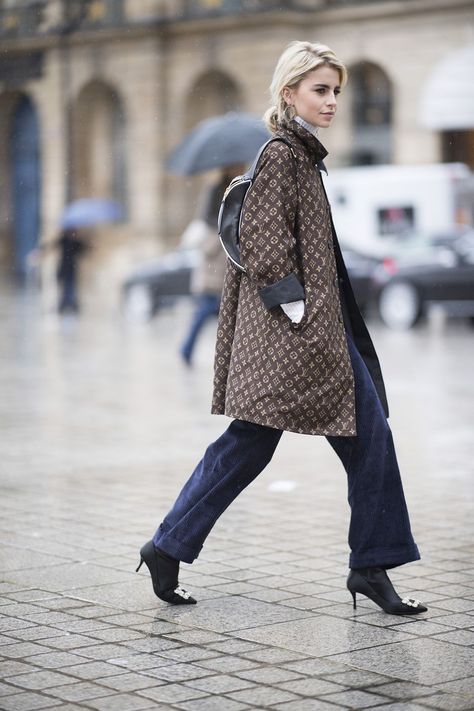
(101, 412)
(321, 635)
(426, 661)
(231, 613)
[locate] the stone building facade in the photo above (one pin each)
(95, 93)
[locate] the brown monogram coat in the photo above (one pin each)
(295, 377)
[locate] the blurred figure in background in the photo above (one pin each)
(208, 278)
(71, 248)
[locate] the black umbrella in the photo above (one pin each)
(218, 142)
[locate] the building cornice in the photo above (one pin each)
(323, 14)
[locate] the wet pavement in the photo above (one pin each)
(101, 424)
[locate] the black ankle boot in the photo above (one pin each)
(375, 584)
(164, 572)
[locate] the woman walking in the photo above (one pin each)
(293, 353)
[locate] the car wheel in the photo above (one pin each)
(138, 303)
(400, 305)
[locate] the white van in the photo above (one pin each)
(373, 205)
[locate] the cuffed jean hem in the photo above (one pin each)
(175, 548)
(385, 557)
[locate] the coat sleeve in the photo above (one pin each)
(267, 240)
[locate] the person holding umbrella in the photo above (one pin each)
(226, 142)
(293, 353)
(208, 277)
(71, 245)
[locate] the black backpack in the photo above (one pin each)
(228, 222)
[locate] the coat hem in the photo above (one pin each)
(323, 432)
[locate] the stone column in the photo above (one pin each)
(50, 104)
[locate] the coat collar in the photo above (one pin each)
(314, 147)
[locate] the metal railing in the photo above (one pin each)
(22, 18)
(197, 8)
(88, 13)
(34, 17)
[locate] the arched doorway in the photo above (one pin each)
(98, 144)
(25, 182)
(371, 115)
(213, 93)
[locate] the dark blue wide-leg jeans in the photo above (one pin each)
(207, 305)
(379, 532)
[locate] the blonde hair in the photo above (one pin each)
(297, 60)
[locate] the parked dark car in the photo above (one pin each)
(425, 271)
(164, 281)
(158, 284)
(360, 268)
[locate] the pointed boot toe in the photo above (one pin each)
(164, 572)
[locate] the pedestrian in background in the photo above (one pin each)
(293, 353)
(208, 277)
(71, 248)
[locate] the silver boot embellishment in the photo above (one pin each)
(411, 602)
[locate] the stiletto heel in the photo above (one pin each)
(375, 584)
(164, 575)
(139, 565)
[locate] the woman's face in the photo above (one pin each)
(315, 97)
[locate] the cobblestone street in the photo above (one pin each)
(101, 425)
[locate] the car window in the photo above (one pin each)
(465, 247)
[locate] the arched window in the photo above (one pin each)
(371, 114)
(213, 93)
(99, 165)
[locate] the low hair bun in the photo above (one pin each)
(270, 118)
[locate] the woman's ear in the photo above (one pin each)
(287, 95)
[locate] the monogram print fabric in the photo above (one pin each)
(295, 377)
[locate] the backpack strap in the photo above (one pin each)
(250, 174)
(251, 171)
(229, 243)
